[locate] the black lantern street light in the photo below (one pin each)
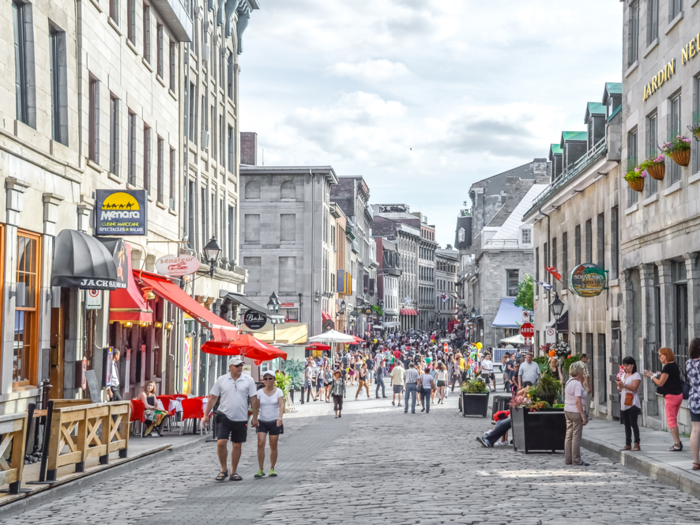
(557, 307)
(273, 304)
(473, 312)
(212, 251)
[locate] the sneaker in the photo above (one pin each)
(483, 442)
(583, 464)
(155, 434)
(260, 474)
(273, 474)
(393, 403)
(501, 444)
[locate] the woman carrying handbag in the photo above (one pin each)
(630, 406)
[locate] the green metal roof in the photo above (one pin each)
(593, 108)
(614, 87)
(567, 136)
(555, 149)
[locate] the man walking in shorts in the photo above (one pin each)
(233, 391)
(397, 381)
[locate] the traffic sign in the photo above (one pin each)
(527, 330)
(550, 335)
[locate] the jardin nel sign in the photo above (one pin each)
(587, 280)
(122, 212)
(690, 51)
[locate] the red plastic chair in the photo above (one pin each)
(193, 410)
(138, 413)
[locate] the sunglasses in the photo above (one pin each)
(268, 378)
(238, 366)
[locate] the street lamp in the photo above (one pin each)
(273, 304)
(557, 307)
(473, 312)
(212, 251)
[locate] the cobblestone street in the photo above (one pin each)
(375, 465)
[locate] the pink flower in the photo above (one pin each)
(686, 140)
(636, 170)
(660, 158)
(644, 174)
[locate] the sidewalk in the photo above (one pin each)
(654, 460)
(140, 449)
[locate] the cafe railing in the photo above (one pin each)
(13, 432)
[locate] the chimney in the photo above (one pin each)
(249, 148)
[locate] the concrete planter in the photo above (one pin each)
(541, 431)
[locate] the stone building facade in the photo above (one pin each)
(388, 275)
(576, 220)
(427, 316)
(659, 229)
(286, 243)
(446, 270)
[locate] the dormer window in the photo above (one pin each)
(526, 236)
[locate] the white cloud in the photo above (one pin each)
(369, 70)
(423, 97)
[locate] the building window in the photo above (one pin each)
(252, 228)
(696, 122)
(633, 36)
(159, 170)
(565, 259)
(203, 124)
(675, 8)
(680, 285)
(59, 97)
(600, 231)
(674, 122)
(231, 233)
(537, 264)
(203, 204)
(147, 158)
(173, 66)
(131, 20)
(461, 235)
(147, 32)
(230, 149)
(545, 255)
(160, 43)
(602, 361)
(192, 124)
(94, 120)
(131, 166)
(173, 177)
(512, 282)
(287, 275)
(589, 241)
(652, 20)
(213, 133)
(114, 11)
(651, 186)
(26, 333)
(252, 190)
(554, 253)
(632, 195)
(222, 138)
(614, 243)
(21, 21)
(113, 134)
(229, 68)
(526, 236)
(254, 267)
(577, 245)
(191, 210)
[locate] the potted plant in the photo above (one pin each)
(678, 149)
(538, 424)
(475, 397)
(655, 168)
(635, 178)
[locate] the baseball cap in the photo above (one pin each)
(235, 360)
(268, 373)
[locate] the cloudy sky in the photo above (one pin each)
(423, 97)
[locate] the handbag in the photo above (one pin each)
(629, 399)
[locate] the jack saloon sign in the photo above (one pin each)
(121, 212)
(177, 265)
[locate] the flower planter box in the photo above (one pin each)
(682, 158)
(636, 184)
(475, 404)
(538, 431)
(657, 171)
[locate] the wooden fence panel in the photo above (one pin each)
(13, 429)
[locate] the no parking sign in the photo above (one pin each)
(93, 300)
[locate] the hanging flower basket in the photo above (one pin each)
(636, 184)
(682, 158)
(657, 171)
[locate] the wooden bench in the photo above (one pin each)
(82, 431)
(13, 429)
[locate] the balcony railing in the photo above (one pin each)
(501, 243)
(600, 149)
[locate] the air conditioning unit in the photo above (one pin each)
(205, 140)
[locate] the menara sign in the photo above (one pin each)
(121, 212)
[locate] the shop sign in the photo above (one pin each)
(177, 265)
(187, 372)
(93, 300)
(122, 212)
(288, 305)
(660, 78)
(254, 320)
(587, 280)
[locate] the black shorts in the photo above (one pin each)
(440, 383)
(695, 418)
(269, 427)
(237, 430)
(398, 389)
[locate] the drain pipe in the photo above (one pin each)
(549, 247)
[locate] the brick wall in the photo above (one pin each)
(249, 148)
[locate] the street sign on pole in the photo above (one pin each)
(550, 335)
(527, 330)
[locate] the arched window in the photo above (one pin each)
(287, 191)
(252, 190)
(461, 235)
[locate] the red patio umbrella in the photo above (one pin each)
(358, 341)
(318, 346)
(246, 346)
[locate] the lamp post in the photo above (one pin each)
(557, 307)
(212, 251)
(273, 304)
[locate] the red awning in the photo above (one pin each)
(128, 304)
(408, 311)
(169, 291)
(325, 315)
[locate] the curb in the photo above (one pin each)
(663, 472)
(36, 498)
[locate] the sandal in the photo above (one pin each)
(676, 448)
(696, 466)
(221, 476)
(235, 477)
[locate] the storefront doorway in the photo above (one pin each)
(59, 331)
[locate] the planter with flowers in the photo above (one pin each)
(655, 168)
(475, 397)
(678, 149)
(635, 179)
(538, 424)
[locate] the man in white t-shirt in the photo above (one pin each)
(233, 390)
(487, 370)
(529, 372)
